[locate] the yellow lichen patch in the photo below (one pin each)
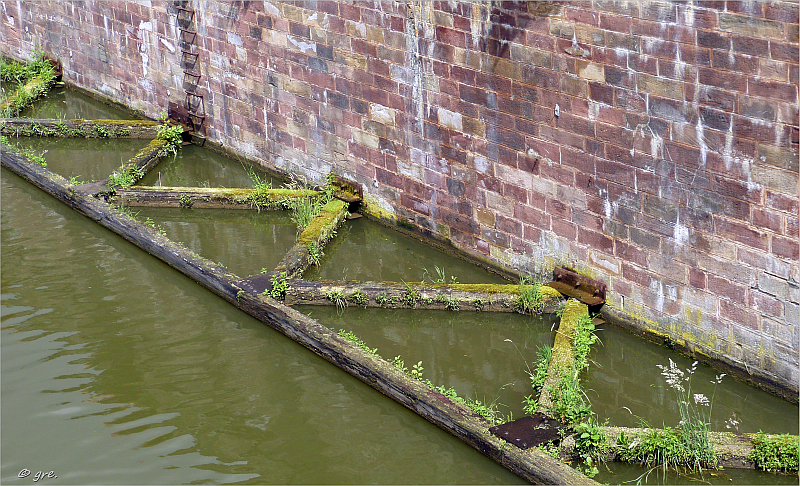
(550, 292)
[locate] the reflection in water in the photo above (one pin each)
(365, 250)
(85, 159)
(117, 369)
(67, 104)
(195, 166)
(243, 241)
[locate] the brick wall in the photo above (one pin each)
(671, 172)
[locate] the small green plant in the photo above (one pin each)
(337, 297)
(479, 303)
(440, 278)
(590, 445)
(280, 284)
(358, 298)
(538, 376)
(449, 302)
(103, 131)
(582, 341)
(570, 404)
(775, 453)
(149, 222)
(385, 301)
(186, 201)
(398, 363)
(350, 336)
(530, 299)
(172, 135)
(314, 253)
(125, 177)
(411, 296)
(551, 449)
(416, 371)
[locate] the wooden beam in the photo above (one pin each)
(206, 197)
(79, 128)
(463, 297)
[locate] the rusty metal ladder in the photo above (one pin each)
(193, 114)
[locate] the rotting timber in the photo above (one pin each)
(459, 420)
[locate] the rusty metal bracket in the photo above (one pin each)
(572, 284)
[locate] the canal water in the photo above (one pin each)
(244, 242)
(85, 159)
(117, 369)
(195, 166)
(367, 251)
(62, 103)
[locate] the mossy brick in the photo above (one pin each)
(780, 157)
(751, 26)
(528, 55)
(667, 88)
(349, 58)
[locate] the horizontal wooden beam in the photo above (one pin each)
(464, 297)
(207, 197)
(79, 128)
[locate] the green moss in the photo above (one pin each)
(324, 224)
(128, 123)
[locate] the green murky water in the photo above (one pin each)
(481, 355)
(117, 369)
(66, 104)
(195, 166)
(365, 250)
(624, 374)
(86, 159)
(243, 241)
(621, 473)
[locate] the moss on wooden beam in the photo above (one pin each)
(207, 197)
(79, 128)
(462, 297)
(315, 235)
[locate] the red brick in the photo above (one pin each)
(766, 304)
(635, 274)
(727, 289)
(738, 314)
(770, 220)
(564, 229)
(697, 278)
(743, 234)
(596, 240)
(722, 79)
(772, 89)
(783, 52)
(451, 37)
(785, 247)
